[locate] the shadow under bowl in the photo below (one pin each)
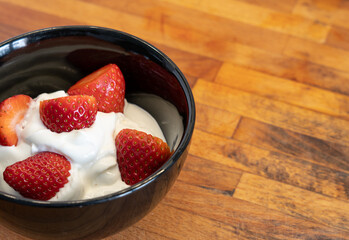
(55, 58)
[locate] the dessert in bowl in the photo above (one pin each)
(55, 59)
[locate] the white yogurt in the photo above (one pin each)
(91, 151)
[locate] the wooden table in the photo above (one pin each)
(269, 158)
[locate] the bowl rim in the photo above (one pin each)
(89, 30)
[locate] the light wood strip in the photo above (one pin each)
(176, 16)
(137, 233)
(293, 201)
(283, 6)
(262, 17)
(216, 120)
(318, 9)
(203, 173)
(317, 53)
(180, 224)
(300, 70)
(330, 12)
(273, 112)
(284, 90)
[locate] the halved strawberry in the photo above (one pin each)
(139, 154)
(107, 85)
(12, 111)
(68, 113)
(40, 176)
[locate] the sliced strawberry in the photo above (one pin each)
(40, 176)
(139, 154)
(107, 85)
(12, 111)
(69, 113)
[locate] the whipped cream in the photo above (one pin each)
(91, 151)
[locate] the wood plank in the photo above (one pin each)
(293, 201)
(7, 31)
(344, 5)
(192, 65)
(273, 112)
(318, 53)
(300, 70)
(85, 13)
(317, 9)
(282, 6)
(6, 234)
(248, 221)
(284, 90)
(277, 139)
(298, 172)
(338, 37)
(203, 173)
(191, 80)
(262, 17)
(180, 17)
(216, 120)
(29, 19)
(330, 12)
(136, 232)
(170, 222)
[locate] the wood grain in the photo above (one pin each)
(321, 54)
(284, 90)
(261, 17)
(270, 137)
(293, 201)
(338, 37)
(269, 154)
(307, 174)
(278, 113)
(216, 120)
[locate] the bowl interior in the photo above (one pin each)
(54, 59)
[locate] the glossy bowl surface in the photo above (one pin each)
(52, 59)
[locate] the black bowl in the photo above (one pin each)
(55, 58)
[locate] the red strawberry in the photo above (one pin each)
(107, 85)
(12, 111)
(40, 176)
(139, 155)
(69, 113)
